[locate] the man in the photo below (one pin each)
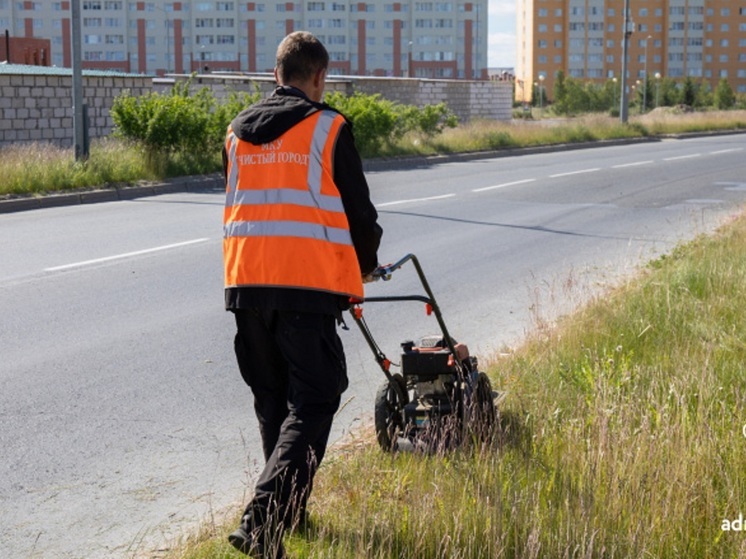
(300, 237)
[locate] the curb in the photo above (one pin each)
(214, 181)
(396, 163)
(196, 183)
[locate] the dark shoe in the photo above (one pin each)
(254, 543)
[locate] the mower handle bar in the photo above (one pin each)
(384, 273)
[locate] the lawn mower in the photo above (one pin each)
(439, 397)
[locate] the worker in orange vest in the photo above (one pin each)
(300, 238)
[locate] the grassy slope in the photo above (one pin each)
(621, 437)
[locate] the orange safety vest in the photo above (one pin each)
(284, 224)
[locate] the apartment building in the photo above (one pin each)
(415, 39)
(704, 39)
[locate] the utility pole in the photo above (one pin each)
(645, 78)
(80, 131)
(627, 31)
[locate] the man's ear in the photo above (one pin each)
(277, 78)
(320, 78)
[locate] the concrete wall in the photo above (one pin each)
(469, 100)
(36, 103)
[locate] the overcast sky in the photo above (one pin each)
(502, 38)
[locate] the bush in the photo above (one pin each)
(724, 96)
(378, 123)
(177, 122)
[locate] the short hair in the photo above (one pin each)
(299, 56)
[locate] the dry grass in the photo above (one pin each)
(670, 121)
(42, 168)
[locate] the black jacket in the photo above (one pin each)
(267, 120)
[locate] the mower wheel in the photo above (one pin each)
(480, 410)
(391, 398)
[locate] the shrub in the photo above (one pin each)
(377, 123)
(724, 96)
(177, 122)
(373, 119)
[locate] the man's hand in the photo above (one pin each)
(368, 278)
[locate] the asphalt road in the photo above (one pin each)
(123, 420)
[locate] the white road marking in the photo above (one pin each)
(524, 181)
(574, 173)
(632, 164)
(682, 157)
(121, 256)
(725, 151)
(415, 200)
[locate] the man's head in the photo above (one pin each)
(302, 62)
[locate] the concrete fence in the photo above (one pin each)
(36, 102)
(492, 100)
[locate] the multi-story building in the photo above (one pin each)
(704, 39)
(419, 39)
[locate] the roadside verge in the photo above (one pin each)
(214, 181)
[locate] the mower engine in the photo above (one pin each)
(430, 372)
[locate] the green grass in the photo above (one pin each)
(36, 169)
(621, 437)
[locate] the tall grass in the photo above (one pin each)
(668, 121)
(38, 168)
(42, 168)
(621, 437)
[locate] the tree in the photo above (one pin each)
(704, 96)
(688, 93)
(724, 96)
(559, 94)
(668, 94)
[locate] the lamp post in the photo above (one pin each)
(541, 92)
(409, 61)
(627, 31)
(657, 87)
(645, 77)
(636, 87)
(614, 88)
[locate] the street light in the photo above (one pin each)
(637, 89)
(657, 84)
(645, 77)
(614, 88)
(409, 61)
(627, 31)
(541, 91)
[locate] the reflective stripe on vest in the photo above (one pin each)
(284, 222)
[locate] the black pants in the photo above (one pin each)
(295, 365)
